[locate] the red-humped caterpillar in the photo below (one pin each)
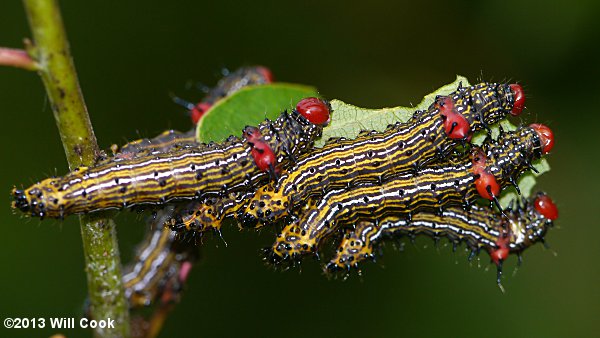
(161, 265)
(482, 172)
(215, 169)
(172, 139)
(480, 227)
(229, 84)
(373, 156)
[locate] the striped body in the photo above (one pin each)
(436, 187)
(160, 267)
(375, 156)
(205, 170)
(479, 227)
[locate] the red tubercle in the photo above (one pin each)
(518, 99)
(546, 207)
(315, 110)
(500, 254)
(261, 152)
(198, 111)
(456, 126)
(265, 73)
(263, 156)
(546, 136)
(487, 186)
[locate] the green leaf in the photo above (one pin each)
(249, 106)
(526, 183)
(348, 120)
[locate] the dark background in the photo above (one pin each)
(129, 56)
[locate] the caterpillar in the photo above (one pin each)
(172, 139)
(193, 172)
(482, 172)
(480, 227)
(372, 157)
(161, 265)
(229, 84)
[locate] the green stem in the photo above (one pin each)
(55, 66)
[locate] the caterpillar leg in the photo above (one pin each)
(270, 206)
(296, 240)
(198, 217)
(356, 246)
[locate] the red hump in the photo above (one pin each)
(518, 99)
(546, 136)
(314, 110)
(487, 186)
(546, 207)
(456, 126)
(263, 156)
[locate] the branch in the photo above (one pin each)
(55, 66)
(16, 58)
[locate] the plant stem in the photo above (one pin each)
(55, 66)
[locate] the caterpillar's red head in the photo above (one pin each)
(266, 74)
(198, 111)
(316, 111)
(546, 207)
(456, 125)
(546, 136)
(518, 99)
